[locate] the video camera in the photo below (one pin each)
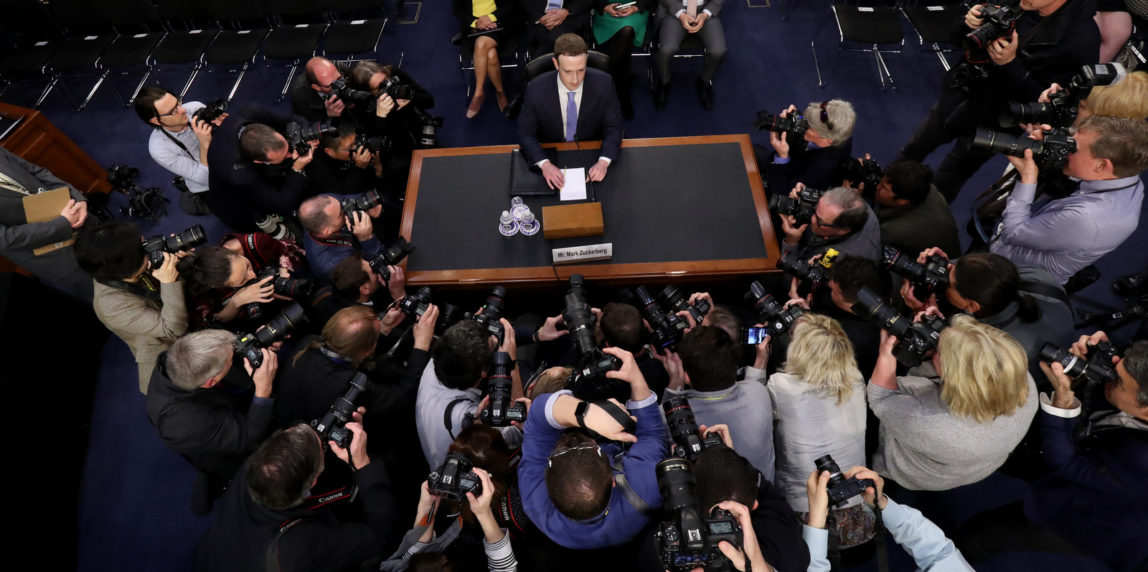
(333, 425)
(688, 439)
(362, 202)
(813, 274)
(793, 124)
(184, 240)
(248, 345)
(298, 136)
(687, 540)
(926, 278)
(392, 255)
(802, 208)
(778, 318)
(210, 112)
(148, 203)
(1060, 111)
(491, 315)
(588, 380)
(454, 478)
(999, 22)
(673, 299)
(667, 329)
(1050, 154)
(1097, 369)
(914, 339)
(500, 409)
(841, 489)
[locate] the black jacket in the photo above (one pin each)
(327, 175)
(913, 228)
(579, 10)
(817, 168)
(214, 428)
(778, 530)
(305, 101)
(599, 115)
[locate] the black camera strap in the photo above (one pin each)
(178, 142)
(145, 289)
(628, 492)
(446, 416)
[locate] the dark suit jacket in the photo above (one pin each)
(816, 168)
(599, 116)
(532, 10)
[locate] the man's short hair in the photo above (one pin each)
(579, 479)
(313, 214)
(110, 250)
(569, 45)
(197, 357)
(283, 468)
(1135, 361)
(841, 119)
(257, 140)
(710, 358)
(144, 103)
(721, 474)
(463, 354)
(1122, 141)
(1128, 98)
(854, 210)
(622, 327)
(335, 139)
(549, 382)
(352, 331)
(349, 275)
(988, 279)
(721, 317)
(909, 180)
(852, 273)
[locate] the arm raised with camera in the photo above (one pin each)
(1054, 230)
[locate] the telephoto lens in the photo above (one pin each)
(841, 489)
(248, 345)
(333, 425)
(672, 297)
(184, 240)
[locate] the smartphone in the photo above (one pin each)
(755, 335)
(626, 5)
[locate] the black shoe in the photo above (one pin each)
(706, 93)
(660, 92)
(456, 39)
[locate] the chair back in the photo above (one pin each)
(543, 64)
(132, 13)
(80, 17)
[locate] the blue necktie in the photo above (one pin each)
(571, 116)
(553, 4)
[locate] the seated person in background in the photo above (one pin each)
(402, 121)
(354, 282)
(922, 539)
(1089, 500)
(226, 289)
(311, 94)
(1064, 235)
(568, 485)
(677, 19)
(449, 395)
(143, 306)
(484, 25)
(708, 378)
(913, 214)
(955, 420)
(332, 235)
(617, 31)
(819, 406)
(267, 495)
(178, 142)
(573, 103)
(548, 20)
(199, 415)
(843, 221)
(18, 237)
(816, 160)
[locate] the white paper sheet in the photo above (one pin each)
(575, 187)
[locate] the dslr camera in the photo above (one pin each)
(491, 315)
(333, 425)
(667, 329)
(184, 240)
(841, 489)
(1097, 368)
(813, 274)
(926, 278)
(362, 202)
(687, 539)
(392, 255)
(1050, 154)
(415, 305)
(454, 479)
(999, 22)
(500, 409)
(348, 94)
(148, 203)
(688, 439)
(299, 136)
(673, 299)
(793, 124)
(248, 345)
(778, 318)
(210, 112)
(588, 380)
(802, 208)
(862, 171)
(914, 339)
(396, 89)
(1060, 111)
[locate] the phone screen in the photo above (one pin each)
(754, 336)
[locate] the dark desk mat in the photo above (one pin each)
(659, 204)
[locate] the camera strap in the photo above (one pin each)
(446, 416)
(178, 142)
(628, 492)
(272, 558)
(145, 289)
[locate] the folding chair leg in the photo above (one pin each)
(287, 85)
(1137, 53)
(47, 89)
(941, 56)
(881, 67)
(186, 86)
(816, 66)
(95, 88)
(238, 80)
(139, 86)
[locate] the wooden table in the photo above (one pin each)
(470, 186)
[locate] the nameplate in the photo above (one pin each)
(585, 253)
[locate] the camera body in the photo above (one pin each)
(914, 339)
(686, 539)
(348, 94)
(248, 345)
(998, 22)
(287, 286)
(184, 240)
(148, 203)
(415, 305)
(454, 478)
(793, 124)
(211, 111)
(687, 438)
(1061, 109)
(299, 136)
(841, 489)
(802, 208)
(814, 273)
(392, 255)
(372, 143)
(863, 171)
(396, 89)
(500, 408)
(667, 329)
(1050, 154)
(1097, 369)
(777, 318)
(588, 380)
(333, 425)
(926, 278)
(673, 299)
(362, 202)
(491, 315)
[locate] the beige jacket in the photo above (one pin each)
(146, 326)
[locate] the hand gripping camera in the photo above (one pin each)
(866, 171)
(914, 339)
(813, 274)
(926, 278)
(491, 315)
(778, 319)
(299, 136)
(667, 328)
(415, 305)
(348, 94)
(673, 299)
(500, 410)
(793, 124)
(802, 208)
(454, 479)
(1050, 154)
(841, 489)
(284, 286)
(390, 256)
(333, 425)
(362, 202)
(688, 439)
(1060, 111)
(210, 112)
(999, 22)
(184, 240)
(1097, 369)
(687, 539)
(248, 345)
(588, 380)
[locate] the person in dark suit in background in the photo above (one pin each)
(572, 103)
(548, 20)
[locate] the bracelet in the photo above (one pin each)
(534, 336)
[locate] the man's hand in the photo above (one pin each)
(721, 430)
(750, 556)
(508, 344)
(360, 225)
(1046, 95)
(871, 495)
(762, 350)
(264, 375)
(392, 318)
(629, 373)
(672, 363)
(973, 17)
(75, 212)
(166, 273)
(334, 105)
(555, 178)
(361, 157)
(598, 171)
(887, 343)
(202, 130)
(911, 300)
(554, 18)
(375, 211)
(1080, 347)
(356, 454)
(699, 21)
(1062, 395)
(791, 231)
(384, 105)
(923, 257)
(685, 20)
(549, 330)
(424, 328)
(303, 160)
(817, 491)
(481, 505)
(1026, 166)
(261, 291)
(398, 283)
(780, 144)
(1003, 50)
(424, 514)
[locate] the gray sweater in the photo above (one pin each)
(748, 411)
(925, 447)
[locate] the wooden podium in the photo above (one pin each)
(32, 137)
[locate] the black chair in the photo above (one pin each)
(543, 64)
(872, 26)
(189, 36)
(32, 39)
(934, 24)
(237, 45)
(356, 28)
(299, 28)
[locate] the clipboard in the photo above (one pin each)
(43, 207)
(526, 180)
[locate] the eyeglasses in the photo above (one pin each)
(825, 115)
(817, 221)
(579, 447)
(178, 106)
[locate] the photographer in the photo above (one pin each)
(954, 421)
(225, 282)
(204, 418)
(261, 525)
(143, 306)
(1051, 41)
(179, 141)
(344, 166)
(815, 160)
(569, 484)
(354, 282)
(333, 235)
(449, 394)
(404, 126)
(922, 539)
(842, 221)
(256, 177)
(913, 213)
(311, 95)
(1064, 235)
(1089, 501)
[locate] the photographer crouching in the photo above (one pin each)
(237, 286)
(406, 127)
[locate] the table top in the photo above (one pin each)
(676, 208)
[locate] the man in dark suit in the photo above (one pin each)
(572, 103)
(547, 20)
(18, 237)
